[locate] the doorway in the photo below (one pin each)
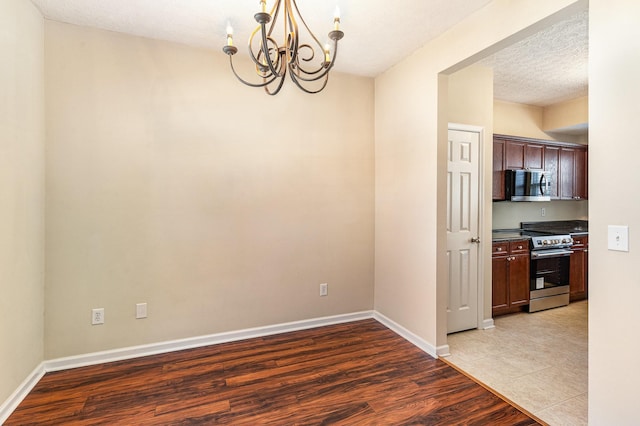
(463, 227)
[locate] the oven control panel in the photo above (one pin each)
(551, 241)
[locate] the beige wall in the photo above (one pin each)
(518, 120)
(550, 123)
(614, 287)
(21, 192)
(470, 101)
(410, 157)
(507, 215)
(169, 182)
(566, 115)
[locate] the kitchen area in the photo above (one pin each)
(540, 238)
(536, 354)
(531, 342)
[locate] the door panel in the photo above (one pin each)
(462, 226)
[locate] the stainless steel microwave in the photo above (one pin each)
(527, 185)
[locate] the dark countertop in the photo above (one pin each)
(560, 227)
(508, 235)
(580, 233)
(573, 227)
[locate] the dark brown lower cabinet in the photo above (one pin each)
(579, 268)
(510, 276)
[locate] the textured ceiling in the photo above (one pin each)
(376, 34)
(544, 69)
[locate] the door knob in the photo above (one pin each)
(476, 240)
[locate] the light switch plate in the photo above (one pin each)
(141, 310)
(618, 238)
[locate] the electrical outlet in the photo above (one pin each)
(97, 316)
(324, 289)
(543, 212)
(141, 310)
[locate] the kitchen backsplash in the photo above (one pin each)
(508, 214)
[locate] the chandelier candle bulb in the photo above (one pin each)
(263, 5)
(336, 19)
(229, 35)
(327, 57)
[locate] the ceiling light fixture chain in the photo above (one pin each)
(273, 62)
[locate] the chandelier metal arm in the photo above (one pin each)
(265, 51)
(326, 68)
(263, 84)
(275, 92)
(295, 79)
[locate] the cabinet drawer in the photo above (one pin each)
(580, 242)
(520, 246)
(500, 248)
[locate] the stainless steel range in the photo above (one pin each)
(549, 270)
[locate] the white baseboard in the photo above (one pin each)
(20, 393)
(443, 351)
(487, 324)
(407, 335)
(194, 342)
(163, 347)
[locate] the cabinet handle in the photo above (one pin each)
(586, 250)
(499, 249)
(519, 247)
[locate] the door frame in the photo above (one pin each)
(481, 323)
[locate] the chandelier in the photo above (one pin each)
(295, 56)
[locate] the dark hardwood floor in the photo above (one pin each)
(359, 373)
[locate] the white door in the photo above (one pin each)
(463, 228)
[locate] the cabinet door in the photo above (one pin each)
(519, 280)
(514, 155)
(567, 173)
(580, 187)
(533, 158)
(577, 278)
(499, 283)
(498, 169)
(551, 163)
(579, 268)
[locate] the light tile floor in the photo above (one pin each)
(538, 360)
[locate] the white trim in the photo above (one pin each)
(196, 342)
(443, 350)
(487, 324)
(20, 393)
(408, 335)
(94, 358)
(465, 127)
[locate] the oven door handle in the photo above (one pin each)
(550, 253)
